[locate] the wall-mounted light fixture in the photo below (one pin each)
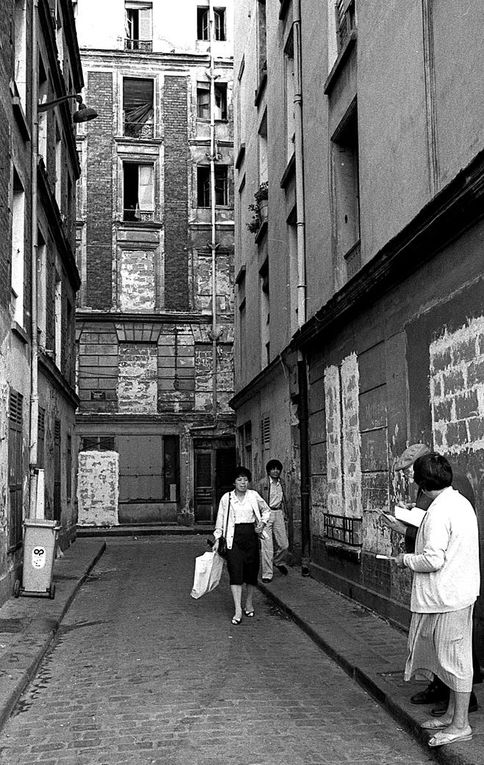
(84, 113)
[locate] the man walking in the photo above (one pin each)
(274, 548)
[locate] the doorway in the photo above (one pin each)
(214, 462)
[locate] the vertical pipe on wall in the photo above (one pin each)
(213, 229)
(301, 288)
(34, 350)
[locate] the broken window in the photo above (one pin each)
(138, 109)
(138, 26)
(221, 186)
(138, 196)
(203, 100)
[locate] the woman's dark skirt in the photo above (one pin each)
(244, 558)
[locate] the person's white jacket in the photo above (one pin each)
(259, 506)
(446, 559)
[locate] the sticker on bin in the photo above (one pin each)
(38, 557)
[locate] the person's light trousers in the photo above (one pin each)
(274, 548)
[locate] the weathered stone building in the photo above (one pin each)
(155, 252)
(40, 75)
(360, 299)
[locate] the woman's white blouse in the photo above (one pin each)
(251, 509)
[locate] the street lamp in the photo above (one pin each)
(84, 113)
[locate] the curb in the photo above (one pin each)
(445, 755)
(43, 630)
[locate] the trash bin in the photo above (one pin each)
(40, 537)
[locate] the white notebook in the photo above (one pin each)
(412, 517)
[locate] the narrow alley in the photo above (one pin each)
(141, 673)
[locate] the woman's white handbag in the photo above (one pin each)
(208, 570)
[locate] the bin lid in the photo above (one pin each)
(41, 523)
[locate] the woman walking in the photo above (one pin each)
(242, 515)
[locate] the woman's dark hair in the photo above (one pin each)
(244, 472)
(273, 464)
(432, 472)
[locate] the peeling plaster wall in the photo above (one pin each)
(332, 393)
(457, 388)
(351, 436)
(97, 488)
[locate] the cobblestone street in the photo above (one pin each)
(141, 673)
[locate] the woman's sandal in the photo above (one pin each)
(235, 620)
(249, 612)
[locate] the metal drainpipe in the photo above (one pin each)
(34, 349)
(301, 290)
(213, 243)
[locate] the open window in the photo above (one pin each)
(203, 20)
(138, 111)
(138, 191)
(138, 26)
(203, 23)
(220, 23)
(203, 100)
(221, 186)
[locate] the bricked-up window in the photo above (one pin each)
(15, 468)
(20, 47)
(97, 444)
(18, 249)
(138, 25)
(138, 192)
(203, 100)
(221, 186)
(137, 107)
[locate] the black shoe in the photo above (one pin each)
(266, 579)
(435, 692)
(441, 708)
(283, 569)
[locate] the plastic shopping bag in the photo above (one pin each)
(208, 570)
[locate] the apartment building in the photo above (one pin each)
(155, 253)
(360, 294)
(40, 82)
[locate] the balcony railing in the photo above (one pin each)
(139, 46)
(139, 216)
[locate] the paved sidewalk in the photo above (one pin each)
(372, 652)
(366, 646)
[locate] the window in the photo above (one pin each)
(20, 48)
(171, 450)
(263, 169)
(221, 186)
(345, 20)
(265, 431)
(245, 444)
(42, 290)
(69, 467)
(219, 21)
(346, 198)
(97, 444)
(57, 471)
(41, 439)
(289, 98)
(58, 168)
(138, 192)
(139, 36)
(264, 313)
(58, 320)
(203, 100)
(137, 108)
(15, 468)
(18, 249)
(261, 38)
(203, 23)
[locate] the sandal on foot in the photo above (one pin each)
(434, 724)
(450, 738)
(235, 620)
(249, 612)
